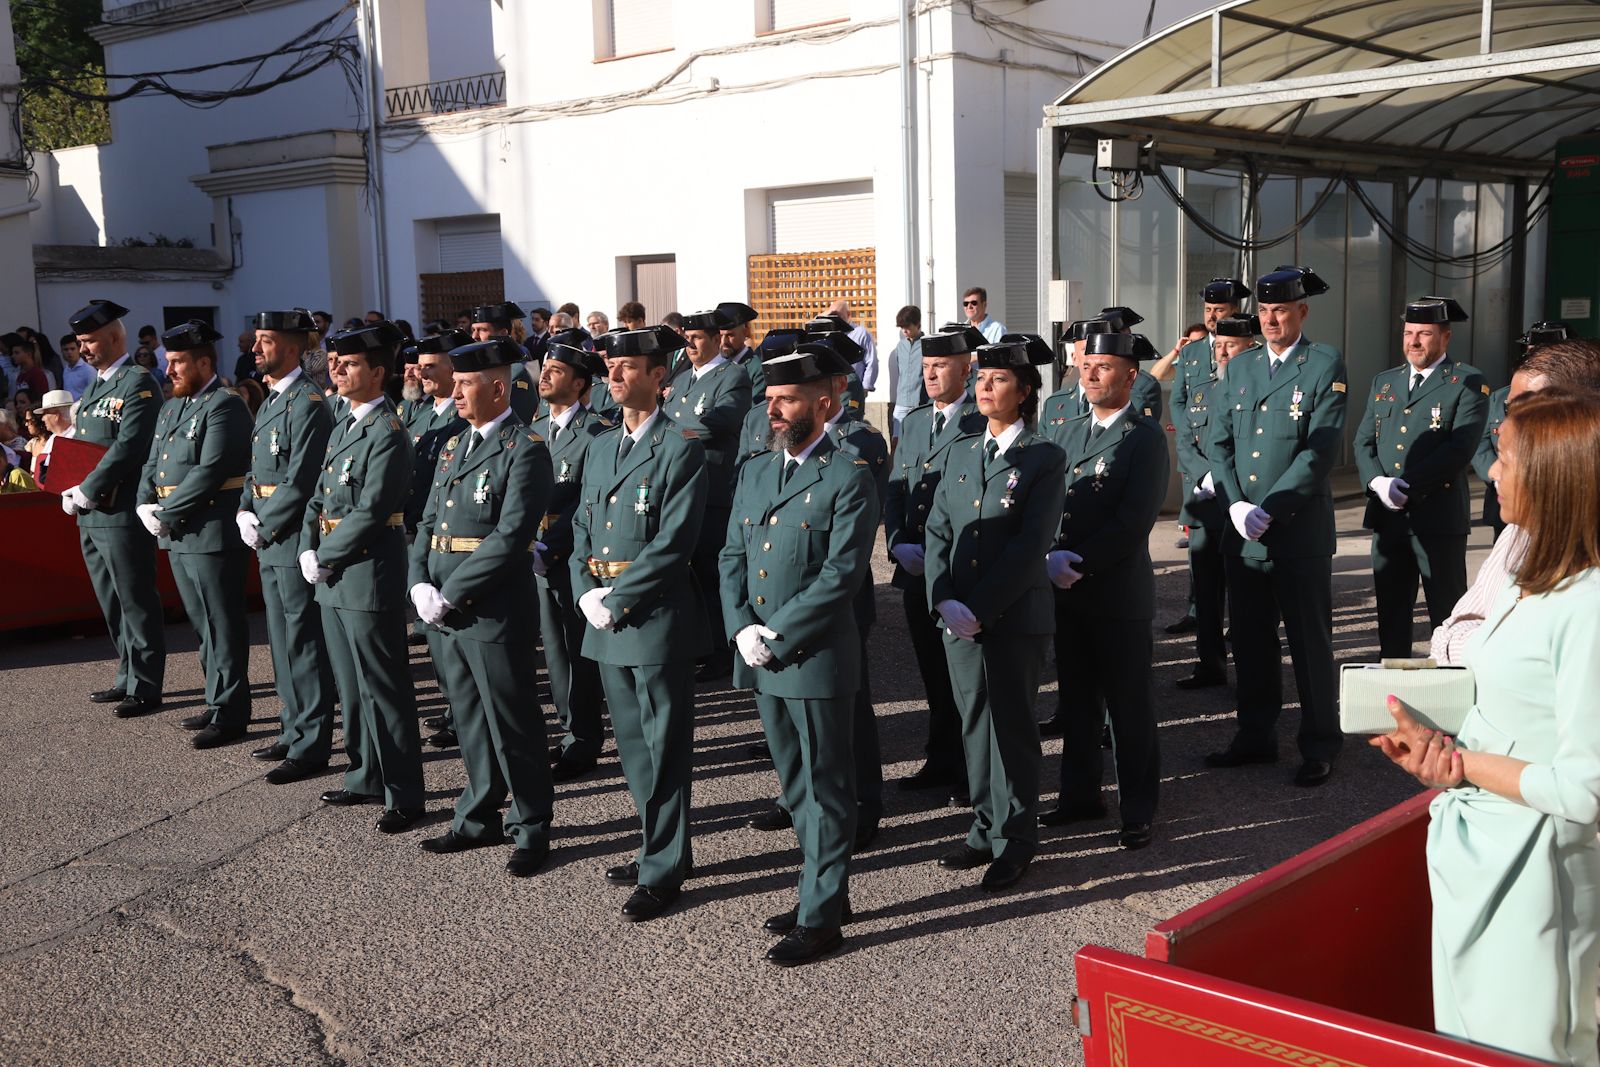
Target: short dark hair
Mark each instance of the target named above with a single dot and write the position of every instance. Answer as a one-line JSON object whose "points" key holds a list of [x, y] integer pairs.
{"points": [[673, 319], [978, 291], [68, 337], [147, 331], [633, 311], [910, 315], [374, 311], [382, 357], [325, 314], [1569, 364], [542, 312], [569, 308], [1197, 327]]}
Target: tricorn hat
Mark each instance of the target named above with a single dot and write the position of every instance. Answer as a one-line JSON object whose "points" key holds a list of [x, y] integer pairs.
{"points": [[192, 334], [295, 320], [502, 314], [1438, 310], [1544, 333], [1128, 345], [657, 342], [1289, 285], [780, 342], [1239, 326], [1121, 318], [446, 342], [1080, 329], [735, 313], [1039, 350], [811, 361], [484, 355], [382, 335], [97, 314], [1224, 291], [1008, 354]]}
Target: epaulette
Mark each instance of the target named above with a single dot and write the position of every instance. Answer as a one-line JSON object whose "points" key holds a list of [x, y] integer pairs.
{"points": [[534, 439], [1338, 387], [394, 424], [1485, 388], [861, 462], [605, 423], [522, 383], [690, 435], [145, 394]]}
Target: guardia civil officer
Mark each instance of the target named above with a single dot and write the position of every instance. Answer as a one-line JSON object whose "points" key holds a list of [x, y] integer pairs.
{"points": [[287, 449], [187, 493], [1273, 447], [118, 411], [710, 396], [1070, 402], [994, 601], [638, 520], [755, 433], [1424, 420], [797, 552], [496, 320], [470, 580], [1540, 333], [735, 344], [1201, 511], [353, 550], [568, 426], [927, 435], [1116, 481]]}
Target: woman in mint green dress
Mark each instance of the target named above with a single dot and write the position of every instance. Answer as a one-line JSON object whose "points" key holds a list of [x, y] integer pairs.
{"points": [[1513, 862]]}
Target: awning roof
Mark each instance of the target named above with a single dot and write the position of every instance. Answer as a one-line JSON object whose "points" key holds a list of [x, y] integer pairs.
{"points": [[1481, 87]]}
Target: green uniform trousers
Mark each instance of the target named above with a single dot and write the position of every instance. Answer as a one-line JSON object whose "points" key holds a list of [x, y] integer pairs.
{"points": [[211, 585], [707, 573], [367, 650], [1208, 590], [995, 682], [868, 753], [502, 740], [301, 674], [811, 742], [1108, 672], [943, 749], [574, 680], [1400, 557], [122, 568], [436, 654], [652, 714], [1301, 589]]}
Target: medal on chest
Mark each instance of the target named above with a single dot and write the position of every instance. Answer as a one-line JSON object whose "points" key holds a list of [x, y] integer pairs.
{"points": [[193, 430], [1011, 487], [1294, 405], [1100, 469], [480, 492], [1433, 418], [641, 498], [565, 474], [344, 471], [700, 405], [274, 447]]}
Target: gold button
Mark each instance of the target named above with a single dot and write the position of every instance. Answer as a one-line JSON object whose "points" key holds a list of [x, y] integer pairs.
{"points": [[326, 491], [163, 455], [1408, 411], [761, 574], [974, 535], [977, 503], [1399, 448], [161, 474], [1405, 429], [1447, 485], [761, 600], [974, 563], [613, 500], [766, 546], [330, 470], [1252, 477], [1263, 407], [773, 521], [1066, 514], [1077, 470], [1259, 430], [1397, 466], [626, 610], [608, 524], [805, 526], [747, 520], [444, 526], [606, 551], [449, 503], [1255, 455]]}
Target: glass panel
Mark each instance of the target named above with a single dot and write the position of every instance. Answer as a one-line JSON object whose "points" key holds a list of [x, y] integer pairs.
{"points": [[1322, 249], [1083, 233], [1215, 198], [1372, 330], [1275, 214], [1147, 263], [1491, 329]]}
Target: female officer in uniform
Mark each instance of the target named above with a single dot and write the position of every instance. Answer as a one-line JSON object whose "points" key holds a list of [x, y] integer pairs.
{"points": [[994, 516]]}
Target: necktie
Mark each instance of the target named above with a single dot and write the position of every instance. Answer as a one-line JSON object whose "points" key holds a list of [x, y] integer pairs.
{"points": [[627, 446], [788, 469], [1416, 380], [1095, 430], [555, 433], [350, 426], [1083, 402], [472, 442], [991, 449], [1272, 366], [938, 423]]}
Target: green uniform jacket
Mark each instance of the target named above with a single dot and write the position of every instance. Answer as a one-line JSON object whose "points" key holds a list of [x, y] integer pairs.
{"points": [[524, 392], [119, 413], [713, 407], [200, 442], [1428, 439], [567, 459], [646, 512], [1067, 403], [1275, 441], [753, 433], [1115, 487], [287, 448], [1489, 445], [364, 482], [794, 560], [751, 362], [918, 465], [429, 431], [497, 494], [1192, 407], [1017, 504]]}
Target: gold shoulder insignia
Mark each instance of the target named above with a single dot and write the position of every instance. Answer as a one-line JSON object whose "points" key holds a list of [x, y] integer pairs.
{"points": [[145, 394], [453, 442], [1338, 387], [861, 462], [394, 423], [1147, 413], [534, 438], [604, 422], [522, 383], [690, 435], [1485, 389]]}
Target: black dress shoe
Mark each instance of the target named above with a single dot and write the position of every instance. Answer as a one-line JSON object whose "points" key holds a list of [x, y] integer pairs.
{"points": [[1313, 772], [1186, 625], [436, 722], [525, 862], [1202, 680], [959, 797], [647, 902], [292, 770], [785, 921], [554, 753], [715, 668], [759, 751], [964, 857], [198, 722], [804, 945], [624, 873], [107, 696], [450, 841], [131, 707], [343, 798], [774, 818], [1237, 756], [417, 639], [1136, 836], [1051, 727], [396, 820], [865, 832], [1003, 873], [445, 738], [1065, 815], [272, 753], [927, 776], [215, 736], [567, 768]]}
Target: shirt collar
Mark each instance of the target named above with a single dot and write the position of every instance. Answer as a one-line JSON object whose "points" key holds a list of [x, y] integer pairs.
{"points": [[359, 413], [491, 426], [805, 453], [1427, 372], [644, 427], [1006, 438], [1109, 419], [439, 404], [105, 375], [715, 361], [952, 408], [1278, 357], [564, 419], [287, 380]]}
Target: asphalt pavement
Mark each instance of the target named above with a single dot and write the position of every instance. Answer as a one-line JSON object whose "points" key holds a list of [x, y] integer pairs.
{"points": [[160, 905]]}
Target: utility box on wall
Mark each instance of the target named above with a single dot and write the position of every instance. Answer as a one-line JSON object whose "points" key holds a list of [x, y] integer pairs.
{"points": [[1572, 270]]}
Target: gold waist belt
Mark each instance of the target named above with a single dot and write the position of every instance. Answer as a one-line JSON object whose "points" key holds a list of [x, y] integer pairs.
{"points": [[261, 492], [608, 568], [164, 491], [329, 525]]}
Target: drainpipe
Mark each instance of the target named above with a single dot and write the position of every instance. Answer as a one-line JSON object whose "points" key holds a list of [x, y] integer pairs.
{"points": [[374, 100], [908, 152]]}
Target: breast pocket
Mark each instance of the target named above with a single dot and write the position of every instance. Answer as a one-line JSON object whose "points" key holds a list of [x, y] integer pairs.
{"points": [[805, 538]]}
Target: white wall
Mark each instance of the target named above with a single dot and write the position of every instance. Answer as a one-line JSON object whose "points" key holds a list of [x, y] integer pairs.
{"points": [[72, 211]]}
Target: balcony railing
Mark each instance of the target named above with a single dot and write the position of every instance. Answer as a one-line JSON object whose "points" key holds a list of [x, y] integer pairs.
{"points": [[443, 97]]}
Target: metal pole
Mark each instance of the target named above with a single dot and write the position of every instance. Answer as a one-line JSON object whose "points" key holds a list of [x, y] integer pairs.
{"points": [[369, 77], [908, 152]]}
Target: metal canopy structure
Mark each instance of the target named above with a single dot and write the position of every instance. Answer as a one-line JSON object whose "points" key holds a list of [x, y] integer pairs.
{"points": [[1452, 88]]}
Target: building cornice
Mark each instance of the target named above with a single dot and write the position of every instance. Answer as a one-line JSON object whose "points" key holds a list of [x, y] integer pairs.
{"points": [[150, 17], [295, 174]]}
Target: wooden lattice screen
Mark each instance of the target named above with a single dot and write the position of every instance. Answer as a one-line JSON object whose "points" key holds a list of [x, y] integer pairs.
{"points": [[789, 289], [445, 295]]}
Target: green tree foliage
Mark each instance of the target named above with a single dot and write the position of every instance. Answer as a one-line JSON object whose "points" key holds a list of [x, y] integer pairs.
{"points": [[56, 55]]}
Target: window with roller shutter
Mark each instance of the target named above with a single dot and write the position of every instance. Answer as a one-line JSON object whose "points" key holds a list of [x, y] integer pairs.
{"points": [[1018, 303], [634, 27]]}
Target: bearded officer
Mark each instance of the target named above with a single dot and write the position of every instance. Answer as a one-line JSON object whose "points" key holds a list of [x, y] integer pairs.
{"points": [[567, 427], [735, 344], [636, 526], [1273, 448], [471, 580], [118, 411], [1424, 420], [287, 447], [353, 550], [496, 320]]}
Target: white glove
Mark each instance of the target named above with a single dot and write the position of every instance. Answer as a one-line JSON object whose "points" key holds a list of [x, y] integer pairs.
{"points": [[911, 557], [752, 647], [592, 604], [1058, 565], [540, 567], [1391, 492], [74, 502], [1249, 520], [430, 604], [250, 529], [147, 514], [311, 570], [958, 619], [1206, 488]]}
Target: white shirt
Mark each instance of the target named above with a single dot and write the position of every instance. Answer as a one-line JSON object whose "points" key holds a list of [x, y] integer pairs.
{"points": [[1277, 357], [1426, 372], [1106, 422], [105, 375], [563, 420], [287, 380], [805, 453], [644, 427], [952, 409], [442, 403], [1007, 436], [359, 413], [488, 428], [715, 361]]}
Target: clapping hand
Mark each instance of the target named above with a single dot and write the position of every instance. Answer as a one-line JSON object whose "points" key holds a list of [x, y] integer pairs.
{"points": [[1429, 756]]}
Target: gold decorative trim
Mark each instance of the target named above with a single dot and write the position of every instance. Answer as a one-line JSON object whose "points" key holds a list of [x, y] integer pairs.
{"points": [[1120, 1010]]}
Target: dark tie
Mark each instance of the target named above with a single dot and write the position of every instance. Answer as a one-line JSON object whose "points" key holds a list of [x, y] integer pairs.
{"points": [[938, 424], [1272, 366], [1416, 380], [991, 449], [1083, 402], [555, 433], [786, 471], [627, 446], [472, 442], [1095, 430]]}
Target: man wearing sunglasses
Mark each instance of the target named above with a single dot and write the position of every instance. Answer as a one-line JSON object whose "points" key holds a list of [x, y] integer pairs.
{"points": [[975, 305]]}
